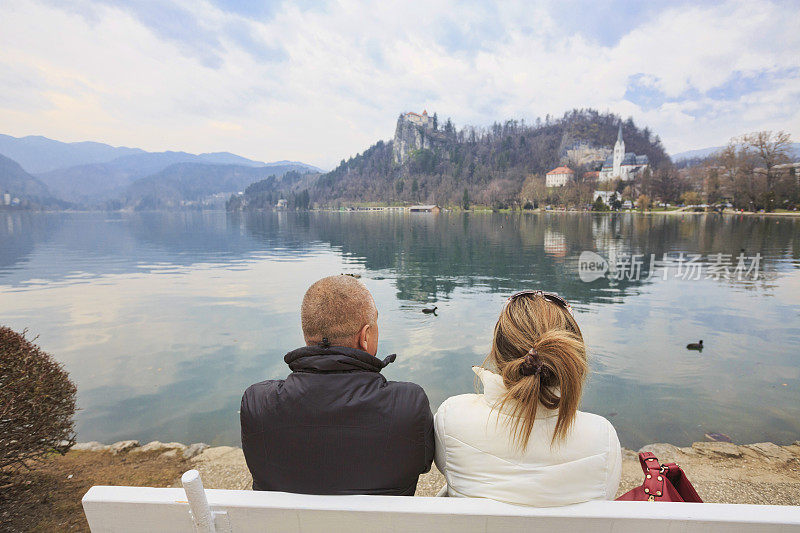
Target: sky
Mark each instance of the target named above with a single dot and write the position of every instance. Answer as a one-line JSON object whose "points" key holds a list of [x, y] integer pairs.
{"points": [[319, 81]]}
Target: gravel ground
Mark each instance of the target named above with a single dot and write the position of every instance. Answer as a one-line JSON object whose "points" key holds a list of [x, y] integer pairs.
{"points": [[761, 473]]}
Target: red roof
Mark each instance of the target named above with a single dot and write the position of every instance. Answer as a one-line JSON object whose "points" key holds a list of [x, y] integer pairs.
{"points": [[561, 170]]}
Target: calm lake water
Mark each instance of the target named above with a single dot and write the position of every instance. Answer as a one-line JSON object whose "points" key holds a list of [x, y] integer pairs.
{"points": [[163, 319]]}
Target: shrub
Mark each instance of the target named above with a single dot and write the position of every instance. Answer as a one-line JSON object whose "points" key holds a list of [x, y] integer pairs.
{"points": [[37, 402]]}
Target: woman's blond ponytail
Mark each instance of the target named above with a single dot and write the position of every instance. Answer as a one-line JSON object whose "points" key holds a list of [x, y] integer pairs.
{"points": [[539, 352]]}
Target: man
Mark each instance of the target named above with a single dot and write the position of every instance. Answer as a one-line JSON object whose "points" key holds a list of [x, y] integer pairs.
{"points": [[335, 425]]}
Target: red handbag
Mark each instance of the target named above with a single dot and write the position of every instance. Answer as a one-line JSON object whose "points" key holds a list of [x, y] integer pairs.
{"points": [[662, 483]]}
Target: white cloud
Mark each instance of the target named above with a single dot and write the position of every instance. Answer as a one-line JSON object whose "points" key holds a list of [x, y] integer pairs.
{"points": [[321, 85]]}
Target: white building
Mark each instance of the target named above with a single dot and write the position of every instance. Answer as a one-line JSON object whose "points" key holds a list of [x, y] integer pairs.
{"points": [[625, 166], [6, 199], [558, 177], [605, 196], [420, 120]]}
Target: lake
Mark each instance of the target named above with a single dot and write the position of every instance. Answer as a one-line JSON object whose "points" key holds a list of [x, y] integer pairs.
{"points": [[163, 319]]}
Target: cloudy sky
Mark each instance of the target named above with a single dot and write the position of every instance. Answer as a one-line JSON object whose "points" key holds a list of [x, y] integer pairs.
{"points": [[318, 81]]}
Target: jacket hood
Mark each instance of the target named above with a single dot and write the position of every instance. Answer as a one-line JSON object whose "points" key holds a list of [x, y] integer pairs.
{"points": [[317, 359], [494, 389]]}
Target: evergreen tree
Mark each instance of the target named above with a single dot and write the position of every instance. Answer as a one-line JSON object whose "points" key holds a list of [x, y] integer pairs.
{"points": [[616, 203], [465, 200], [599, 205]]}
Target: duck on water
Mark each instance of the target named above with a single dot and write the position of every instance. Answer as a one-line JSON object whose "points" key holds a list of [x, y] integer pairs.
{"points": [[695, 346]]}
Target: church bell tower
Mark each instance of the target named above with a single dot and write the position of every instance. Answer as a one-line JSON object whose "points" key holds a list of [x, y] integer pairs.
{"points": [[619, 153]]}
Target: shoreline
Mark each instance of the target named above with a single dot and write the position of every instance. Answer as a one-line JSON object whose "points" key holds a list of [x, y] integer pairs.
{"points": [[48, 497], [446, 209], [722, 472]]}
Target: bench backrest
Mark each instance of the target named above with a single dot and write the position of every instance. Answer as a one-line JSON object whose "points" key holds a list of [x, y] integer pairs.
{"points": [[153, 509]]}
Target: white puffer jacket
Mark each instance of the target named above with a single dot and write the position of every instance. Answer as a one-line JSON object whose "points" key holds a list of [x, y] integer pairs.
{"points": [[478, 459]]}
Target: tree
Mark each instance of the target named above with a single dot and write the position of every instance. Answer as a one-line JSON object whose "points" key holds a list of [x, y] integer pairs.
{"points": [[37, 402], [646, 181], [616, 203], [415, 189], [691, 198], [303, 200], [435, 121], [644, 202], [465, 200], [772, 148], [599, 205]]}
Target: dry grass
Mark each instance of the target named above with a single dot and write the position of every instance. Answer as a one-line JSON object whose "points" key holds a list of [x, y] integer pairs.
{"points": [[47, 499]]}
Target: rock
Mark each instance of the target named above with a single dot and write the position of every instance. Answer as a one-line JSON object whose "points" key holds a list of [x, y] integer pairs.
{"points": [[771, 451], [414, 132], [666, 453], [170, 453], [221, 454], [794, 449], [721, 449], [92, 446], [194, 449], [629, 455], [123, 446], [157, 446]]}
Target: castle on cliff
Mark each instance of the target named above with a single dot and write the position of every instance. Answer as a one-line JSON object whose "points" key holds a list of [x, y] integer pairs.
{"points": [[420, 120], [625, 166], [413, 132]]}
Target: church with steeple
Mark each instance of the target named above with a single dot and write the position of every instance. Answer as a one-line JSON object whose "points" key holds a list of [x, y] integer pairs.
{"points": [[622, 165]]}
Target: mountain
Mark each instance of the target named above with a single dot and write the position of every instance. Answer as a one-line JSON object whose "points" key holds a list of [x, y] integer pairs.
{"points": [[428, 161], [703, 153], [193, 183], [38, 154], [18, 183], [91, 173], [99, 182]]}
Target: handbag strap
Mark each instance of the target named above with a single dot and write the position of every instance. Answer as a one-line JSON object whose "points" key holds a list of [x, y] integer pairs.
{"points": [[653, 478]]}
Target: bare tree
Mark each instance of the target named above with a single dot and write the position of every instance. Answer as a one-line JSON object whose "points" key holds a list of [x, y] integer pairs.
{"points": [[772, 148]]}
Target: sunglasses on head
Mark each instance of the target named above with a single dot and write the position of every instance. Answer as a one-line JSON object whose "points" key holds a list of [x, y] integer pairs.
{"points": [[549, 296]]}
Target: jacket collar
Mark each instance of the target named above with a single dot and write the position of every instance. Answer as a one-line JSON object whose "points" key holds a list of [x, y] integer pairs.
{"points": [[494, 389], [317, 359]]}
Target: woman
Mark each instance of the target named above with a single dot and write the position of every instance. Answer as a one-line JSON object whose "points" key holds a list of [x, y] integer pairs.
{"points": [[523, 440]]}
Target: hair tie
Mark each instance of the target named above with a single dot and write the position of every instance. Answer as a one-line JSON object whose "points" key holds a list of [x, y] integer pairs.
{"points": [[325, 342], [531, 364]]}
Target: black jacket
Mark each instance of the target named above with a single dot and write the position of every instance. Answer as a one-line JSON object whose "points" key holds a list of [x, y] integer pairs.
{"points": [[336, 426]]}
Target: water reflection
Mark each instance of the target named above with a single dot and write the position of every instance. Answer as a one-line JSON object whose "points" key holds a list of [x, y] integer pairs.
{"points": [[164, 318]]}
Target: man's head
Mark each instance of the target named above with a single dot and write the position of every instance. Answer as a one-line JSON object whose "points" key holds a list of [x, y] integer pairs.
{"points": [[341, 309]]}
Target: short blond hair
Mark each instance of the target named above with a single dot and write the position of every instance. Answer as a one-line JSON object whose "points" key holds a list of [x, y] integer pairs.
{"points": [[336, 308]]}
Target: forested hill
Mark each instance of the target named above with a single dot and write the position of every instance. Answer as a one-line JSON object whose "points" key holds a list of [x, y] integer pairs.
{"points": [[29, 191], [490, 163]]}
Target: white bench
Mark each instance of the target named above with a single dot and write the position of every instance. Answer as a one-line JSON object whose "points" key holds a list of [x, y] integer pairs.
{"points": [[193, 509]]}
